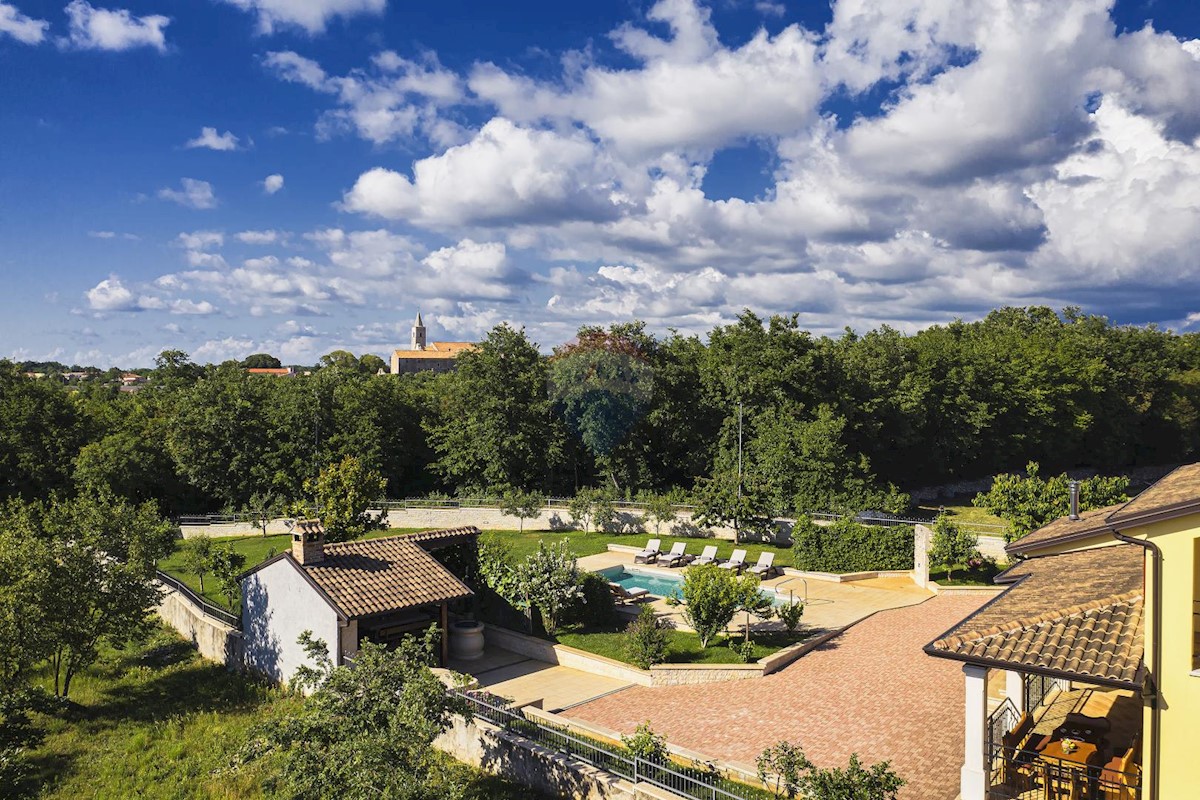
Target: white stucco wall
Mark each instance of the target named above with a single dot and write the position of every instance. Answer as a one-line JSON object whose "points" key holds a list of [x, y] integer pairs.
{"points": [[278, 604]]}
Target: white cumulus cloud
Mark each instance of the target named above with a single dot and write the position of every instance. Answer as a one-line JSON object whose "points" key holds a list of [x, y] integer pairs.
{"points": [[20, 27], [113, 29], [192, 194], [211, 140], [272, 183], [311, 15]]}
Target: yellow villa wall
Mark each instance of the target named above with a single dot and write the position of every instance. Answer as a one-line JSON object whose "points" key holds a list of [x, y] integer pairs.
{"points": [[1179, 767]]}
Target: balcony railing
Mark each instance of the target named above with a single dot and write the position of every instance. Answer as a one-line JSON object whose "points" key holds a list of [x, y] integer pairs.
{"points": [[1029, 774]]}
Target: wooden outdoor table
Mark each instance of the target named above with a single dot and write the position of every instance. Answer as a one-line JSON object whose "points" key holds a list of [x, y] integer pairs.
{"points": [[1078, 760]]}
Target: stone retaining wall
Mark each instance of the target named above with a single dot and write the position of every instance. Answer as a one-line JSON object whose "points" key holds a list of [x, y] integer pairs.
{"points": [[484, 745], [212, 637]]}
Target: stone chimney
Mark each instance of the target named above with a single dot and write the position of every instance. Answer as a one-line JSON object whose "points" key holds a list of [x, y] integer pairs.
{"points": [[308, 541]]}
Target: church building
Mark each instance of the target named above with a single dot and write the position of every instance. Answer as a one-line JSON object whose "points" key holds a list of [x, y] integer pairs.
{"points": [[424, 356]]}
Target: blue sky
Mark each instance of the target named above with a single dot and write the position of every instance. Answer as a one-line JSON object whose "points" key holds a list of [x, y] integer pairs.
{"points": [[293, 176]]}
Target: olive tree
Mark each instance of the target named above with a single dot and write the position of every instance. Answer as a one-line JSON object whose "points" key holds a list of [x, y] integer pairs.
{"points": [[712, 596]]}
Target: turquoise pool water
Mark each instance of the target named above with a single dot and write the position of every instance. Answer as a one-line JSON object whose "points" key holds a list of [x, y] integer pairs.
{"points": [[664, 585]]}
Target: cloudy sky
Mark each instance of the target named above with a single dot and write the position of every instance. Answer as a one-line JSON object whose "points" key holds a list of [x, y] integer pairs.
{"points": [[292, 176]]}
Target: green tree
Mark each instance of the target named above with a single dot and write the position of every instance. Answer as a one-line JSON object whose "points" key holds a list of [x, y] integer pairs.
{"points": [[261, 361], [1027, 503], [951, 545], [723, 501], [784, 765], [549, 581], [712, 596], [366, 731], [41, 430], [371, 364], [197, 557], [522, 505], [646, 639], [493, 423], [855, 782], [227, 567], [604, 383], [582, 507], [645, 744], [660, 509], [344, 493], [262, 508]]}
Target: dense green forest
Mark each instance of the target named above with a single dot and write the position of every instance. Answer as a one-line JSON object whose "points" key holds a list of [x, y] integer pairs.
{"points": [[826, 422]]}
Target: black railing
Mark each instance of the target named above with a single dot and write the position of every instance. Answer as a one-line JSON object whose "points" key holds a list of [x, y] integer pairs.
{"points": [[702, 782], [207, 607], [1026, 773], [1036, 689]]}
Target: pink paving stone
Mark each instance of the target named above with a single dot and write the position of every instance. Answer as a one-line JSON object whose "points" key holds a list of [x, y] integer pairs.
{"points": [[871, 690]]}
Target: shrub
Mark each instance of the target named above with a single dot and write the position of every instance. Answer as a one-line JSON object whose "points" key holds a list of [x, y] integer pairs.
{"points": [[646, 744], [784, 764], [549, 581], [848, 546], [594, 607], [713, 595], [646, 639], [789, 614], [746, 650]]}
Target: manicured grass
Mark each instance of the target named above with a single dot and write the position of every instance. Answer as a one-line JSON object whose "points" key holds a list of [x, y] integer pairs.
{"points": [[157, 721], [683, 647], [980, 576], [960, 509]]}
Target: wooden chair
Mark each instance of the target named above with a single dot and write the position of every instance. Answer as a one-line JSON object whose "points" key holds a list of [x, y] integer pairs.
{"points": [[1122, 774], [1016, 768]]}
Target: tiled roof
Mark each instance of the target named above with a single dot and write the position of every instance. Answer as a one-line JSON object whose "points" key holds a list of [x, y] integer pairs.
{"points": [[436, 350], [374, 576], [1178, 488], [440, 538], [1077, 613], [1093, 521]]}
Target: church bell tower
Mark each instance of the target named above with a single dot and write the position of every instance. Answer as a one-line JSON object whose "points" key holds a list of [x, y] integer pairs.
{"points": [[418, 334]]}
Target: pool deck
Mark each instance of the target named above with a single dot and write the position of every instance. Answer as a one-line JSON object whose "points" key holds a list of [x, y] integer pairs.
{"points": [[828, 605], [527, 681]]}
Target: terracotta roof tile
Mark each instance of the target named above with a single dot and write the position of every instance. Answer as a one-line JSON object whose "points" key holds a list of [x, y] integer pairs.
{"points": [[1180, 487], [1092, 521], [1078, 613], [374, 576]]}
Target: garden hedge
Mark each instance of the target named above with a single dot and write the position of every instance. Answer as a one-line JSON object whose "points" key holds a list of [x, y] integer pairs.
{"points": [[848, 546]]}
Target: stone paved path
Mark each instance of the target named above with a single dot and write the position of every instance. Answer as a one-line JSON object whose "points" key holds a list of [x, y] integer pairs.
{"points": [[871, 690]]}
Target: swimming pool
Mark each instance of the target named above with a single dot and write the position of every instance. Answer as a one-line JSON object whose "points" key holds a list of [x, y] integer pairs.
{"points": [[665, 584]]}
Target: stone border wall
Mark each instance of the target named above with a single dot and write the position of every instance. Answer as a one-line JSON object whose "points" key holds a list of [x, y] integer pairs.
{"points": [[212, 637]]}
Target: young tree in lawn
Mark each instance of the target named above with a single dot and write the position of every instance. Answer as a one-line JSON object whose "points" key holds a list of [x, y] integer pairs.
{"points": [[646, 639], [196, 555], [951, 545], [262, 507], [549, 581], [712, 596], [604, 512], [660, 509], [344, 493], [522, 505], [721, 502], [364, 732], [582, 507], [227, 566]]}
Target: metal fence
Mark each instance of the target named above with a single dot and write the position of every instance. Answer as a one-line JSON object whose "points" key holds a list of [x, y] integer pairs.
{"points": [[703, 782], [208, 608], [1036, 688]]}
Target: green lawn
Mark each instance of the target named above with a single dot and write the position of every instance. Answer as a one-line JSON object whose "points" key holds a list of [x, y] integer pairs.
{"points": [[683, 647], [157, 721], [960, 509]]}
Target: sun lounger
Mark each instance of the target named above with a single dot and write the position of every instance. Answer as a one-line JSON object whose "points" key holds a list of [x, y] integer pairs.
{"points": [[676, 557], [765, 567], [736, 562], [630, 595], [709, 556], [650, 554]]}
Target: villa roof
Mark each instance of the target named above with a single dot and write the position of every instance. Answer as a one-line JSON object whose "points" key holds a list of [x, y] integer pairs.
{"points": [[375, 576], [1076, 614], [1175, 494]]}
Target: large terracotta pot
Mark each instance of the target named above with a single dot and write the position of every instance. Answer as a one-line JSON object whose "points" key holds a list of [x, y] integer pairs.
{"points": [[466, 639]]}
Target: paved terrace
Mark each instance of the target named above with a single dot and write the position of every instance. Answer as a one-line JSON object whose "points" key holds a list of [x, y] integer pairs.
{"points": [[870, 690]]}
